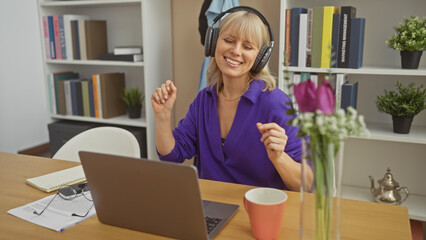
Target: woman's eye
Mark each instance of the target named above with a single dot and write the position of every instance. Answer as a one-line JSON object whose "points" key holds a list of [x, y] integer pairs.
{"points": [[228, 40], [248, 47]]}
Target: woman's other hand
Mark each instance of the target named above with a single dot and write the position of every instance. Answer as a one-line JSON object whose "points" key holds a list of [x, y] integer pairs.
{"points": [[163, 99], [274, 138]]}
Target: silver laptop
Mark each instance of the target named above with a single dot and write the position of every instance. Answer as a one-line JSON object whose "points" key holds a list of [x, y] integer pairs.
{"points": [[156, 197]]}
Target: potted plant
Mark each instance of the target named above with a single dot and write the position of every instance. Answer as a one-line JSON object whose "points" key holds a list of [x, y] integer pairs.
{"points": [[403, 104], [410, 39], [133, 99]]}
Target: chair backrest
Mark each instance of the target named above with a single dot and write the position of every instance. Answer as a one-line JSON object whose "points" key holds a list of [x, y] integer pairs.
{"points": [[109, 140]]}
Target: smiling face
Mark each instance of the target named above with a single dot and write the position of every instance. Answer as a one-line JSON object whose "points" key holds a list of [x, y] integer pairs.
{"points": [[234, 55], [241, 34]]}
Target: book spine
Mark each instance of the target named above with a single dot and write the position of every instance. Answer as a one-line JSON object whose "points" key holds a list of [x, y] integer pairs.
{"points": [[287, 35], [68, 100], [62, 101], [57, 37], [309, 37], [85, 98], [294, 34], [46, 37], [95, 95], [91, 99], [79, 98], [73, 89], [340, 80], [51, 38], [76, 40], [317, 37], [335, 40], [82, 39], [62, 37], [356, 47], [303, 28], [98, 90], [51, 92], [327, 31], [347, 13], [349, 95]]}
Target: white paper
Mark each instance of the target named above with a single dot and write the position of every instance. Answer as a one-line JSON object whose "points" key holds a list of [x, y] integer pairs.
{"points": [[58, 215]]}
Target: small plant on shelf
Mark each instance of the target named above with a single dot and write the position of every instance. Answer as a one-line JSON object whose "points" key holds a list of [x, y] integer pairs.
{"points": [[133, 99], [410, 39], [402, 104]]}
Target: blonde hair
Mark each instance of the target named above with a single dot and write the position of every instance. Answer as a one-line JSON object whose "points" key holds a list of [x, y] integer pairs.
{"points": [[247, 26]]}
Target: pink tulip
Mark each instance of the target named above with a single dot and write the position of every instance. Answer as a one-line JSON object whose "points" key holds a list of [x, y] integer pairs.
{"points": [[304, 93], [325, 98], [309, 98]]}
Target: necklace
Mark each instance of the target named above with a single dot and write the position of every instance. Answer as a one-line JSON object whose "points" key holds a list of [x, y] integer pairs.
{"points": [[229, 99]]}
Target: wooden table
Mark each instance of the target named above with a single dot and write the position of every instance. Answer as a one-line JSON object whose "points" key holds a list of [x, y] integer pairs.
{"points": [[361, 220]]}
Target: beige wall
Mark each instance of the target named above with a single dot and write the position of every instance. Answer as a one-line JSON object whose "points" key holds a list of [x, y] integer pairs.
{"points": [[188, 53]]}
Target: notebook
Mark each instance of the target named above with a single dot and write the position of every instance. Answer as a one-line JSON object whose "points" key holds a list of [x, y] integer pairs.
{"points": [[52, 181], [156, 197]]}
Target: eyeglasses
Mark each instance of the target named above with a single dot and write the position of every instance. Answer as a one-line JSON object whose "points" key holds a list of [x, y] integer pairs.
{"points": [[69, 193]]}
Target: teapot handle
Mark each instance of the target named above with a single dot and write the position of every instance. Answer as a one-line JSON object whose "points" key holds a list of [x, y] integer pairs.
{"points": [[406, 194]]}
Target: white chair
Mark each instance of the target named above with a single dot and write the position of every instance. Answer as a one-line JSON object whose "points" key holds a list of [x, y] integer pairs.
{"points": [[109, 140]]}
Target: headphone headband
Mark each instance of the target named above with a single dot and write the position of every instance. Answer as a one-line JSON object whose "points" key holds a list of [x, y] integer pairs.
{"points": [[250, 10]]}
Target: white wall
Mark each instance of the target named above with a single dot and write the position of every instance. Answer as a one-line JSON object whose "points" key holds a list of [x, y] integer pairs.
{"points": [[23, 108]]}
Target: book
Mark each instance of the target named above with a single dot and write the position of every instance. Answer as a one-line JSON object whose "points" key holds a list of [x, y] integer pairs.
{"points": [[78, 98], [317, 37], [46, 37], [335, 40], [76, 40], [339, 81], [287, 47], [349, 95], [51, 93], [112, 85], [294, 34], [91, 99], [123, 57], [73, 91], [53, 181], [95, 38], [51, 38], [346, 14], [68, 100], [96, 96], [327, 30], [61, 96], [57, 37], [82, 38], [309, 37], [85, 97], [303, 33], [68, 33], [124, 50], [356, 44], [62, 37]]}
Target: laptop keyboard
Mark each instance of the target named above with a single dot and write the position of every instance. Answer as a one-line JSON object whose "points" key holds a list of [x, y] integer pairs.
{"points": [[211, 223]]}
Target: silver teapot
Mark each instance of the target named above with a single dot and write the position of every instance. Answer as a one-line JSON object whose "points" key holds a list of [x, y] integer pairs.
{"points": [[388, 190]]}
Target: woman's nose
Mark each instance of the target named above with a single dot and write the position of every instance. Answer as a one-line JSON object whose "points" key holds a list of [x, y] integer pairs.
{"points": [[236, 49]]}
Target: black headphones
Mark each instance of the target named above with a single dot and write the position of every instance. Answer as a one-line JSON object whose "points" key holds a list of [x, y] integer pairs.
{"points": [[213, 33]]}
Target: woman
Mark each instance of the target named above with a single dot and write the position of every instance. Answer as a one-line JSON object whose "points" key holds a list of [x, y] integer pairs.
{"points": [[237, 125]]}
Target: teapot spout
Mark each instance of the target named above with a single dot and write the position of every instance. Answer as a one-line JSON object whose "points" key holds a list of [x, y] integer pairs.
{"points": [[372, 188]]}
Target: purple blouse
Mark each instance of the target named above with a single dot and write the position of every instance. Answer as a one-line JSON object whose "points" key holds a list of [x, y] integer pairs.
{"points": [[243, 157]]}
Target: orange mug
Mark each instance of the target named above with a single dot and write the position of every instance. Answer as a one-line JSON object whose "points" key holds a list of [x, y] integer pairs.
{"points": [[265, 207]]}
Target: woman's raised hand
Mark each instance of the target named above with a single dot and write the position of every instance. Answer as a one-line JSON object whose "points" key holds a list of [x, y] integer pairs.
{"points": [[163, 99]]}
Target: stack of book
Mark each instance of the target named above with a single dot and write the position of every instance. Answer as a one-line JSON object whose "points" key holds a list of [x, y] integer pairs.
{"points": [[324, 37], [124, 53], [72, 36], [98, 97]]}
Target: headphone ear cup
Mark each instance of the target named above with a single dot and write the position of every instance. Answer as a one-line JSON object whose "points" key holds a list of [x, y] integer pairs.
{"points": [[264, 60], [208, 41], [258, 59], [215, 35]]}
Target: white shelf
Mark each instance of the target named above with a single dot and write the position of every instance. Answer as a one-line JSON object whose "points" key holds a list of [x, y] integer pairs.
{"points": [[89, 3], [120, 120], [384, 132], [363, 71], [416, 204], [97, 62]]}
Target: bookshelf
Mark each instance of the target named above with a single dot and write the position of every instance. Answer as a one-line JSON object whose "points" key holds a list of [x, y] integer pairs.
{"points": [[364, 156], [145, 23]]}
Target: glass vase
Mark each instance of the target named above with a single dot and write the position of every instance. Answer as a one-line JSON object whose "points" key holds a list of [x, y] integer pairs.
{"points": [[320, 203]]}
